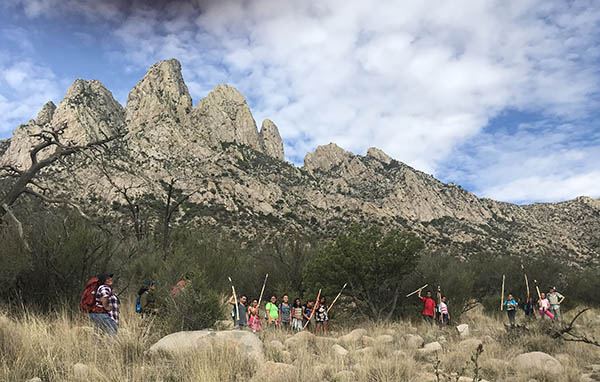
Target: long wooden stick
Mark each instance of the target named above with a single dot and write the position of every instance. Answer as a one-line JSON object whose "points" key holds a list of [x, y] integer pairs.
{"points": [[537, 288], [313, 310], [262, 290], [502, 300], [336, 298], [237, 310], [421, 288], [526, 281]]}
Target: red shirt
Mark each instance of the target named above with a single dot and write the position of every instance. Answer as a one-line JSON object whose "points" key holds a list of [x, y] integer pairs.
{"points": [[429, 306]]}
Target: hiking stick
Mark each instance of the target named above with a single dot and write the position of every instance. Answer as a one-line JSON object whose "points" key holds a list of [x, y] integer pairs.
{"points": [[526, 281], [537, 288], [262, 290], [502, 300], [312, 312], [336, 297], [237, 309], [421, 288]]}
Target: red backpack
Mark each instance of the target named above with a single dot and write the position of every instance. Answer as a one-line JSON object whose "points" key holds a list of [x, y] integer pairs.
{"points": [[87, 304]]}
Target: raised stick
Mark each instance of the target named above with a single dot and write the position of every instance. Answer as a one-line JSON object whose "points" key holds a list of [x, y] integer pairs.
{"points": [[410, 294], [312, 312], [526, 281], [237, 310], [262, 290], [502, 300], [537, 288], [336, 298]]}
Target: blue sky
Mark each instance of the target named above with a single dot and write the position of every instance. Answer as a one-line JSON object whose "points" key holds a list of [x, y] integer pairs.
{"points": [[499, 97]]}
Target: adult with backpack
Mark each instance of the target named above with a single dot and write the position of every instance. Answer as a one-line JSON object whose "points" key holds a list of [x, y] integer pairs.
{"points": [[146, 302], [101, 304]]}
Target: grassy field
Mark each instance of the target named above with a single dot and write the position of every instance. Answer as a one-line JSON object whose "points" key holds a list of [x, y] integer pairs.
{"points": [[49, 346]]}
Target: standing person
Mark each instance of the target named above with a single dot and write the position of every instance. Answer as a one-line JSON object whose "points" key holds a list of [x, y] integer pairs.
{"points": [[254, 320], [106, 311], [444, 313], [544, 306], [428, 306], [321, 317], [285, 312], [511, 308], [530, 307], [297, 310], [555, 300], [242, 322], [306, 313], [146, 301], [272, 311]]}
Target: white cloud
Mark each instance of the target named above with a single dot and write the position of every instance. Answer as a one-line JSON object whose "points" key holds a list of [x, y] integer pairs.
{"points": [[415, 79]]}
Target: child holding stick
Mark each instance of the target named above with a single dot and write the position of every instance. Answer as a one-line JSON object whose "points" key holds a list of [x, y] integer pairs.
{"points": [[254, 321], [322, 317]]}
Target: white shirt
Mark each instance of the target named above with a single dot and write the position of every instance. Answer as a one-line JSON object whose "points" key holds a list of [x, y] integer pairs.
{"points": [[443, 308]]}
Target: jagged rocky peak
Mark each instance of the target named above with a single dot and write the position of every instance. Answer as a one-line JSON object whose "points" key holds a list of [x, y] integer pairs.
{"points": [[226, 116], [160, 96], [326, 157], [272, 143], [89, 112], [378, 154], [45, 115]]}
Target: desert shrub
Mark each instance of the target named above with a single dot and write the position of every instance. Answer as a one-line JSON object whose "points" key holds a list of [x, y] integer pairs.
{"points": [[194, 307], [371, 262]]}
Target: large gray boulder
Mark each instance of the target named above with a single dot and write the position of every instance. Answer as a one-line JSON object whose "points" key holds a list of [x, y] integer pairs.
{"points": [[414, 341], [186, 341], [431, 347], [538, 360], [353, 337]]}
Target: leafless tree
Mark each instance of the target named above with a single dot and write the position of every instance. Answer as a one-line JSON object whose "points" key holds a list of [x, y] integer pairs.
{"points": [[568, 332], [42, 156]]}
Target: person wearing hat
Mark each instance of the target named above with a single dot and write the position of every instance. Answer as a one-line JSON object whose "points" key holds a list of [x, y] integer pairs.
{"points": [[555, 299], [147, 299]]}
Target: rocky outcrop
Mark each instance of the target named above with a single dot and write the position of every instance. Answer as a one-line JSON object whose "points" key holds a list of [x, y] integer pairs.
{"points": [[271, 140], [240, 182], [161, 96], [325, 158], [225, 114]]}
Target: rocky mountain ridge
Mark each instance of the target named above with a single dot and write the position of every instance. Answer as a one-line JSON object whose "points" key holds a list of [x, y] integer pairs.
{"points": [[237, 178]]}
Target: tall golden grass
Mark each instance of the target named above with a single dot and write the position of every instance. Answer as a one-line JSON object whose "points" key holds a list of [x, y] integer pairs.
{"points": [[47, 346]]}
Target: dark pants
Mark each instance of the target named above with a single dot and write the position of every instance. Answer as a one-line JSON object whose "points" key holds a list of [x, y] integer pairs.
{"points": [[104, 323], [511, 316], [428, 319]]}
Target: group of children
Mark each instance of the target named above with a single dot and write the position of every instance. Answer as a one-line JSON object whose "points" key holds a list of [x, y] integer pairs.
{"points": [[548, 306], [296, 316], [432, 311]]}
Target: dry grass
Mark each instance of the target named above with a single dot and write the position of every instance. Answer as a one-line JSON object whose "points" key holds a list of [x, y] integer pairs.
{"points": [[48, 347]]}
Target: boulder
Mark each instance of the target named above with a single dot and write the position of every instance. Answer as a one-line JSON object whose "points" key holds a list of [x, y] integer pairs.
{"points": [[344, 376], [339, 350], [184, 341], [538, 360], [463, 330], [368, 341], [276, 345], [353, 337], [274, 372], [81, 370], [384, 339], [224, 324], [431, 348], [414, 341], [470, 343], [442, 339], [34, 379], [304, 335]]}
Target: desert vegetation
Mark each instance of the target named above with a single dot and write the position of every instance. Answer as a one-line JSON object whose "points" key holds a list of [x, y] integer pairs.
{"points": [[48, 346]]}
